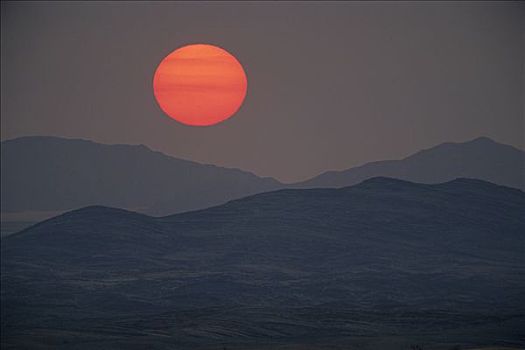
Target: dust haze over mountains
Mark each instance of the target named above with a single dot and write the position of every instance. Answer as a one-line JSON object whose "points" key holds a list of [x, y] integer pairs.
{"points": [[369, 193], [330, 85]]}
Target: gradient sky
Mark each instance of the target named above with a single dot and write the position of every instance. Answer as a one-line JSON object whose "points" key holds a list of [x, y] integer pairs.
{"points": [[330, 85]]}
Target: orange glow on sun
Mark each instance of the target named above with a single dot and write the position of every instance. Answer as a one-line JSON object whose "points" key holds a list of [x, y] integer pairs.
{"points": [[200, 85]]}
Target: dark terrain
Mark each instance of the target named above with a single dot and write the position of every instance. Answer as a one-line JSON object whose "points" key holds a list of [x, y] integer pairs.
{"points": [[385, 264], [51, 174]]}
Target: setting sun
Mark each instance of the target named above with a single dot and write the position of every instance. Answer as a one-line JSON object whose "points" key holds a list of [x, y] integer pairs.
{"points": [[200, 85]]}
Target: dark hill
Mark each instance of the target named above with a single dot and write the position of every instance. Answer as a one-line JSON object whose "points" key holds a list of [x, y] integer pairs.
{"points": [[384, 264]]}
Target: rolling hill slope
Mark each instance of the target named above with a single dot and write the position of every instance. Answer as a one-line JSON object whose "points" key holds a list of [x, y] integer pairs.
{"points": [[383, 264]]}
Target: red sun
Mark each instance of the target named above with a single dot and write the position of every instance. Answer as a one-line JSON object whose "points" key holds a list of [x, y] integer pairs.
{"points": [[200, 85]]}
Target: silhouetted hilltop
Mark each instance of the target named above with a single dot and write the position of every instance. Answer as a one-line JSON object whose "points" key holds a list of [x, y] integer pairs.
{"points": [[51, 173], [481, 158], [441, 263]]}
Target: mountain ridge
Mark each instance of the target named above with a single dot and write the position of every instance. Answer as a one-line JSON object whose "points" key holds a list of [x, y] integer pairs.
{"points": [[47, 174], [380, 184], [478, 148], [125, 145], [50, 173]]}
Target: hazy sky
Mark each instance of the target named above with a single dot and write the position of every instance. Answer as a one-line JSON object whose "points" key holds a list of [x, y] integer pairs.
{"points": [[330, 85]]}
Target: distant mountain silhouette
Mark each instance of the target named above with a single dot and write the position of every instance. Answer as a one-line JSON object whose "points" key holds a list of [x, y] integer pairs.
{"points": [[481, 158], [382, 263], [50, 173], [55, 174]]}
